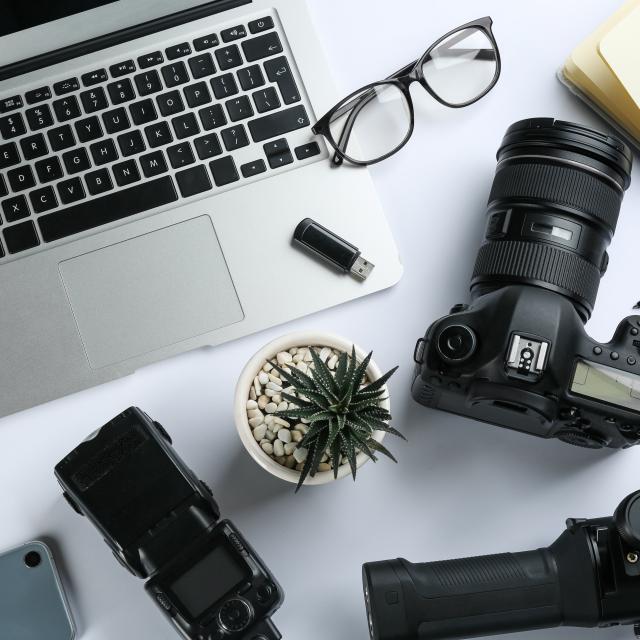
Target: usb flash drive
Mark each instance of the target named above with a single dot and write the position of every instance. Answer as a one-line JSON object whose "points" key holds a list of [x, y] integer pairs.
{"points": [[332, 248]]}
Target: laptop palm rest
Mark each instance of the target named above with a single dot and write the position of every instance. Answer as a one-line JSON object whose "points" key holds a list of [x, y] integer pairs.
{"points": [[150, 292]]}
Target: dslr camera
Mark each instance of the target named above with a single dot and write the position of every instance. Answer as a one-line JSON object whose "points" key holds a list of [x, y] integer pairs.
{"points": [[163, 524], [518, 355]]}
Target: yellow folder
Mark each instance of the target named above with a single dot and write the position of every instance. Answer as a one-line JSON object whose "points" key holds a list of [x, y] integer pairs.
{"points": [[604, 70]]}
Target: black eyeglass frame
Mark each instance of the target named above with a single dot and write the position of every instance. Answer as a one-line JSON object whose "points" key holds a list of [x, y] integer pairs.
{"points": [[403, 79]]}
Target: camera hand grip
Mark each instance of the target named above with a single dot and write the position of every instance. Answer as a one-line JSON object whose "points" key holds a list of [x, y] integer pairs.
{"points": [[463, 598]]}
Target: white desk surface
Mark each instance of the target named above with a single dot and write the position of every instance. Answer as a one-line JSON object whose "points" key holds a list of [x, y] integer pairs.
{"points": [[462, 488]]}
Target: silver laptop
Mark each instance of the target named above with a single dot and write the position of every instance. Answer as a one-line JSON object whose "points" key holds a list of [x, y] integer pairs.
{"points": [[155, 159]]}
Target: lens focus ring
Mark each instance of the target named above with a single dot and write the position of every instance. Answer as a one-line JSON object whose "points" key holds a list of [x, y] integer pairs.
{"points": [[562, 185], [538, 263]]}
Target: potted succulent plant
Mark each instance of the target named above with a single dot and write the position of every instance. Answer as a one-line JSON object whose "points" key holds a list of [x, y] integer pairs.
{"points": [[312, 408]]}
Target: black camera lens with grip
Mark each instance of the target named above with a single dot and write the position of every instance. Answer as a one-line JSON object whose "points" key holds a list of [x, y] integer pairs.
{"points": [[553, 210]]}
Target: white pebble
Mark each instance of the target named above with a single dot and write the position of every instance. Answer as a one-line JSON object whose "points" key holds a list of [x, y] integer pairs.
{"points": [[281, 422], [307, 356], [290, 463], [267, 447], [263, 401], [283, 406], [267, 367], [269, 420], [284, 358], [302, 366], [270, 436], [323, 466], [252, 393], [256, 422], [255, 413], [275, 379], [272, 407], [302, 428], [274, 386], [333, 361], [300, 454], [289, 448], [296, 436], [256, 386], [263, 378], [281, 460], [260, 432], [324, 458], [293, 351], [300, 466], [284, 435], [278, 448], [252, 404], [277, 398], [270, 393], [325, 353], [299, 357]]}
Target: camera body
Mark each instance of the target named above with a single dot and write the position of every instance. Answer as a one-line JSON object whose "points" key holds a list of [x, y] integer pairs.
{"points": [[518, 355], [163, 524]]}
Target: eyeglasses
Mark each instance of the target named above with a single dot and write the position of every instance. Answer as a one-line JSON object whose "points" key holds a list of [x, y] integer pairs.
{"points": [[457, 70]]}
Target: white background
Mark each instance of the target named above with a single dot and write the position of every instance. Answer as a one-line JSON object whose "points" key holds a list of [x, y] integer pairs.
{"points": [[462, 488]]}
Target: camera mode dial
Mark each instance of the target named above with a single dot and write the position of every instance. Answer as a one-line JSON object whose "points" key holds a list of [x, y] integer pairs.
{"points": [[627, 519], [235, 615]]}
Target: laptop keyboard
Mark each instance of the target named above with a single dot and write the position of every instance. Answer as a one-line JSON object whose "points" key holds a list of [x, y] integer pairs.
{"points": [[202, 115]]}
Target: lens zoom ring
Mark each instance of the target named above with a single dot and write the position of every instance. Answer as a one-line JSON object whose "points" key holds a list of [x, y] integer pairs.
{"points": [[558, 184], [541, 262]]}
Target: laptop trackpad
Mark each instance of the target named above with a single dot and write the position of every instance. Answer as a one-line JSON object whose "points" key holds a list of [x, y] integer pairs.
{"points": [[150, 292]]}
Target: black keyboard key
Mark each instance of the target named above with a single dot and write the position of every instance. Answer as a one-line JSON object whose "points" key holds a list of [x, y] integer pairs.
{"points": [[197, 94], [266, 100], [193, 181], [150, 59], [116, 120], [253, 168], [279, 123], [16, 208], [12, 126], [21, 178], [66, 86], [98, 182], [170, 103], [9, 155], [10, 104], [88, 129], [122, 68], [76, 160], [229, 57], [103, 152], [115, 206], [37, 95], [34, 147], [212, 117], [126, 173], [43, 199], [175, 74], [94, 77], [307, 151], [178, 51], [67, 108], [251, 77], [148, 83], [131, 143], [21, 237], [224, 86], [278, 153], [185, 126], [3, 190], [239, 108], [208, 146], [263, 24], [234, 137], [39, 117], [94, 100], [262, 47], [206, 42], [71, 190], [49, 169], [121, 91], [234, 33], [61, 138], [153, 164], [143, 112], [180, 155], [279, 71], [202, 66], [158, 134], [224, 171]]}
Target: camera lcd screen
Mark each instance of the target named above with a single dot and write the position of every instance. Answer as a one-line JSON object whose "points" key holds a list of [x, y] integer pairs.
{"points": [[208, 581], [595, 381]]}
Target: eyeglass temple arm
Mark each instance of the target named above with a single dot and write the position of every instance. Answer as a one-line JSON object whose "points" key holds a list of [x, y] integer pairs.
{"points": [[357, 104]]}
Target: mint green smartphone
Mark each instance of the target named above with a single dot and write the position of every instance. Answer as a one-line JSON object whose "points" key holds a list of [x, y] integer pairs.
{"points": [[33, 605]]}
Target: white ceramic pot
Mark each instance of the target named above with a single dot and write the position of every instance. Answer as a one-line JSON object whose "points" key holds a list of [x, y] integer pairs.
{"points": [[251, 370]]}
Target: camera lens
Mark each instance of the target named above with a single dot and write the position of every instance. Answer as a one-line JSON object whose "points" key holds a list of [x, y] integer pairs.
{"points": [[456, 343], [553, 210], [235, 615], [32, 559]]}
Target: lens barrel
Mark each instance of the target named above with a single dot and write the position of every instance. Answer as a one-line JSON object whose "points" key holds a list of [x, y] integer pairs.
{"points": [[553, 210]]}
